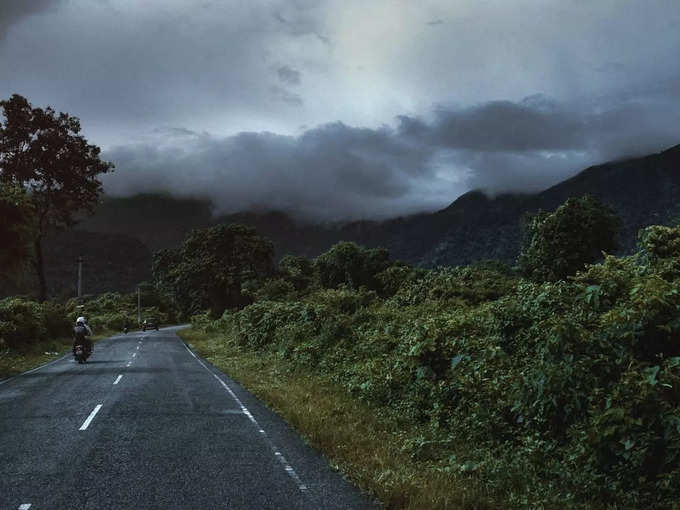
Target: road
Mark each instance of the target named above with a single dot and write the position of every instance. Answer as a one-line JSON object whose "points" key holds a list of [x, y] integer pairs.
{"points": [[146, 423]]}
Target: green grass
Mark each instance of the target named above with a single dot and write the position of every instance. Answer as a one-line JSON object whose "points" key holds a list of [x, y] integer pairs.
{"points": [[13, 362], [359, 440]]}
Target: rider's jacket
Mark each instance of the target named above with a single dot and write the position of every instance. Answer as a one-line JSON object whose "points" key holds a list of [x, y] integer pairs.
{"points": [[80, 332]]}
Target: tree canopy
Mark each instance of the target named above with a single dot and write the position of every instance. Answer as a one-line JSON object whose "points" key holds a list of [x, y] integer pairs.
{"points": [[351, 264], [43, 153], [207, 271], [16, 228], [562, 242]]}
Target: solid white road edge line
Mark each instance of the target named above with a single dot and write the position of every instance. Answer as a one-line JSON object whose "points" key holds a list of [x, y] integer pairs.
{"points": [[286, 465], [118, 379], [91, 417]]}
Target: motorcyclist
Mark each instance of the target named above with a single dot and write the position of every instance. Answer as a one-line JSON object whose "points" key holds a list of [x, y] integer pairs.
{"points": [[81, 332]]}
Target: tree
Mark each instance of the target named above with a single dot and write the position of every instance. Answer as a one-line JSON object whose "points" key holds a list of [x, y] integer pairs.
{"points": [[16, 229], [43, 153], [351, 264], [297, 270], [208, 270], [561, 243]]}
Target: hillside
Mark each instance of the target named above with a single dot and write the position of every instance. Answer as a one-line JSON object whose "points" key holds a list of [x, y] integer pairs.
{"points": [[642, 191]]}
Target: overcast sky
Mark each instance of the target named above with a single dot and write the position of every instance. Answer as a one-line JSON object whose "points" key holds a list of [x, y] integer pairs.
{"points": [[344, 109]]}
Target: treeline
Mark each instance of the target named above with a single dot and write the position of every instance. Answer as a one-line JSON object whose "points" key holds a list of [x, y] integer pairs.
{"points": [[553, 383]]}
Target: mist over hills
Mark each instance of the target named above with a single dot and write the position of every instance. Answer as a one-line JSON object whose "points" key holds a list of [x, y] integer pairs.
{"points": [[641, 190], [119, 239]]}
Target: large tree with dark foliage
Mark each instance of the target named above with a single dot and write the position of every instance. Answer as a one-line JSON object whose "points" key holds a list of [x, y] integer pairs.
{"points": [[350, 264], [43, 153], [562, 242], [16, 229], [209, 268]]}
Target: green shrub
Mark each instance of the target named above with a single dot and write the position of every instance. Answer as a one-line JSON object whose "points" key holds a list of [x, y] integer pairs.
{"points": [[276, 289], [21, 322], [55, 319], [453, 286]]}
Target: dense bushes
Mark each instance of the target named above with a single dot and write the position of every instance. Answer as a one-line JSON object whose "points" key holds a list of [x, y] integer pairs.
{"points": [[112, 311], [553, 393], [24, 322]]}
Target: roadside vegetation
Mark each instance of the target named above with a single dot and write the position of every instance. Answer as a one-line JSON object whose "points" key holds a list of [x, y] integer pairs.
{"points": [[477, 386], [33, 333]]}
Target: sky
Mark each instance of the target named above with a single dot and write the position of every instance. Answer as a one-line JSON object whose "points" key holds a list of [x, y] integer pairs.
{"points": [[349, 109]]}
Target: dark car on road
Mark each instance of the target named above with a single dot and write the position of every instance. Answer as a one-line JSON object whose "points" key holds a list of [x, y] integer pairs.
{"points": [[150, 324]]}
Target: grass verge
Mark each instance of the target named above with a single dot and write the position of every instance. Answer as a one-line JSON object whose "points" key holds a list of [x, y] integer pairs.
{"points": [[361, 441], [13, 362]]}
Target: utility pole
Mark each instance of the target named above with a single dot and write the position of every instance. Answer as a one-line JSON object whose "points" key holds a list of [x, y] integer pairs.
{"points": [[80, 276], [139, 307]]}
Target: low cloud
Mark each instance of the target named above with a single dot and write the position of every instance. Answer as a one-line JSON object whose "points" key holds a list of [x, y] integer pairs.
{"points": [[339, 172]]}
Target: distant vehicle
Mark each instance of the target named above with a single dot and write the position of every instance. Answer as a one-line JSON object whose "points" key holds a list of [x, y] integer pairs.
{"points": [[150, 324]]}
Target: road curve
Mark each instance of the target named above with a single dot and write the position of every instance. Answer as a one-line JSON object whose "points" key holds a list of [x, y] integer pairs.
{"points": [[146, 423]]}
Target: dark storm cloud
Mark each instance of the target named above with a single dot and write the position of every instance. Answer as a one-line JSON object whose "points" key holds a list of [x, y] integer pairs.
{"points": [[330, 172], [336, 172], [532, 144], [123, 68], [13, 11], [288, 75]]}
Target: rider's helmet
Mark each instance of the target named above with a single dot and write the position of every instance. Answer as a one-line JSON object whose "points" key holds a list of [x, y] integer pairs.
{"points": [[80, 321]]}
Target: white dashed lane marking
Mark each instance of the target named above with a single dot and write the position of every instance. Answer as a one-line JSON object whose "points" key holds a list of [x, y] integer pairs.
{"points": [[24, 506], [118, 379], [86, 423]]}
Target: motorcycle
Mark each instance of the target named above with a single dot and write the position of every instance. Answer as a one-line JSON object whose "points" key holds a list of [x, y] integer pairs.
{"points": [[81, 352]]}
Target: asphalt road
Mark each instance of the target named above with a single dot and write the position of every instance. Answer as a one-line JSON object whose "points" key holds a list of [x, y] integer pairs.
{"points": [[146, 423]]}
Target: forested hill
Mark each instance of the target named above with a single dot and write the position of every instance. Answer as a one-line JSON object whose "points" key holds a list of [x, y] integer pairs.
{"points": [[642, 191]]}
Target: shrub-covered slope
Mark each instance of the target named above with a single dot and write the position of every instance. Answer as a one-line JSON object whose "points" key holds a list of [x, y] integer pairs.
{"points": [[548, 394]]}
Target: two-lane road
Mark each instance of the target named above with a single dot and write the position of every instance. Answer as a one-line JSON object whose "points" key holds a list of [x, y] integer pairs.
{"points": [[148, 424]]}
